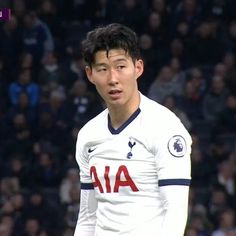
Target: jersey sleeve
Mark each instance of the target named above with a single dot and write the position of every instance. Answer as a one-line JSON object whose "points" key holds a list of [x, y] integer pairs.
{"points": [[87, 214], [88, 204], [175, 209], [82, 161], [173, 149], [172, 152]]}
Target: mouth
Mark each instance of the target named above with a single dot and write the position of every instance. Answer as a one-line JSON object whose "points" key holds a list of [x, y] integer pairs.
{"points": [[115, 93]]}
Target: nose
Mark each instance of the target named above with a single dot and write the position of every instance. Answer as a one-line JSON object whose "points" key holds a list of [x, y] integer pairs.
{"points": [[113, 78]]}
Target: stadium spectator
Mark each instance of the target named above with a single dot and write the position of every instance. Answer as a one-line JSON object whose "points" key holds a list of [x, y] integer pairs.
{"points": [[214, 100], [5, 230], [51, 75], [72, 208], [37, 38], [73, 70], [191, 101], [24, 83], [26, 61], [230, 39], [49, 14], [17, 167], [70, 181], [188, 11], [43, 213], [225, 176], [227, 121], [149, 55], [18, 136], [45, 172], [218, 202], [23, 106], [82, 103], [156, 29], [171, 103], [163, 9], [206, 42], [164, 85], [31, 227], [10, 44], [226, 223], [128, 12]]}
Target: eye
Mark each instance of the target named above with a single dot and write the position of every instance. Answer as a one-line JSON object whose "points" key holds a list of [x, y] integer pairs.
{"points": [[101, 69], [120, 67]]}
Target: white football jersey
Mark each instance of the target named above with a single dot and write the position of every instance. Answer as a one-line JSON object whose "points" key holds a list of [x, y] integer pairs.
{"points": [[128, 166]]}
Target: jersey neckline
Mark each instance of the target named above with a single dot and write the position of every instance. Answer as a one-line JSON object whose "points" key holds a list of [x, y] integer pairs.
{"points": [[124, 125]]}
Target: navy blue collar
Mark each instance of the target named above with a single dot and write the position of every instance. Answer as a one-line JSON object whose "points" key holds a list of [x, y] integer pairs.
{"points": [[118, 130]]}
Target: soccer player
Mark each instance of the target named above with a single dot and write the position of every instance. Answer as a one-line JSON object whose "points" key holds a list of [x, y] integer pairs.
{"points": [[134, 157]]}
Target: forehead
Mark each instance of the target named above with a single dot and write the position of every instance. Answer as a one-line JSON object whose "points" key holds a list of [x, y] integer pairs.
{"points": [[111, 55]]}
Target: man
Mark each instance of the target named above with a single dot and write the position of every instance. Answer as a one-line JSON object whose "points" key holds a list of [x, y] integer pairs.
{"points": [[134, 157]]}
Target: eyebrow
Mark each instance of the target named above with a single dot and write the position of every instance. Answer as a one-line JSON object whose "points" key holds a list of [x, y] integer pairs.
{"points": [[120, 60], [115, 61], [100, 64]]}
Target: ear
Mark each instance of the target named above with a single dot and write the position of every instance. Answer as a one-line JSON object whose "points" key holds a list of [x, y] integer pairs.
{"points": [[89, 73], [139, 67]]}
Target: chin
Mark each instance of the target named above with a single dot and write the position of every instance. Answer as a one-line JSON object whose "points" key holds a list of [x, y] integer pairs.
{"points": [[115, 102]]}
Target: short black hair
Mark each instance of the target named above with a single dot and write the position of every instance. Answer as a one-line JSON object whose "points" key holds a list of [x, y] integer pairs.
{"points": [[112, 36]]}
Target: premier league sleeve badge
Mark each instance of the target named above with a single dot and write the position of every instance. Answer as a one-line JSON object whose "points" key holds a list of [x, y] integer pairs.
{"points": [[177, 146]]}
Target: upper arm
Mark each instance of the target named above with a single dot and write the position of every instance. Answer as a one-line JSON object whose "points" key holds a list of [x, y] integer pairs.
{"points": [[82, 161], [173, 151], [88, 203], [174, 175]]}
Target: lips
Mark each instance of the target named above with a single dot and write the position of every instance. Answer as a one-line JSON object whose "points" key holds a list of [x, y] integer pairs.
{"points": [[115, 93]]}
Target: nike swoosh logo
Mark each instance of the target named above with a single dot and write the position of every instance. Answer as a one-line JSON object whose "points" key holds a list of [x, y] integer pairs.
{"points": [[91, 150]]}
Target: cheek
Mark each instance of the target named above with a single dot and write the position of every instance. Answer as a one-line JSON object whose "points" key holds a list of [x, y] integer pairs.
{"points": [[100, 88], [128, 77], [98, 81]]}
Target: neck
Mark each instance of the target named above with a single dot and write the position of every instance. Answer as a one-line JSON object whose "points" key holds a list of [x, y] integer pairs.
{"points": [[120, 114]]}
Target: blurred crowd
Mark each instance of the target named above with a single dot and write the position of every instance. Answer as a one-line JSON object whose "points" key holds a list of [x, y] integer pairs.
{"points": [[189, 51]]}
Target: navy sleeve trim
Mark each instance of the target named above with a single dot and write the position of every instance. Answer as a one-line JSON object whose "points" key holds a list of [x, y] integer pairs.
{"points": [[165, 182], [86, 186]]}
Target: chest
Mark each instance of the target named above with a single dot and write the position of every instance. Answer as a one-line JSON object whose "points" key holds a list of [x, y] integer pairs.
{"points": [[121, 164]]}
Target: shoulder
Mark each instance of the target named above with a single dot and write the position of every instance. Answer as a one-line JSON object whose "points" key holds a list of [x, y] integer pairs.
{"points": [[160, 122], [166, 134], [93, 126], [156, 112]]}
